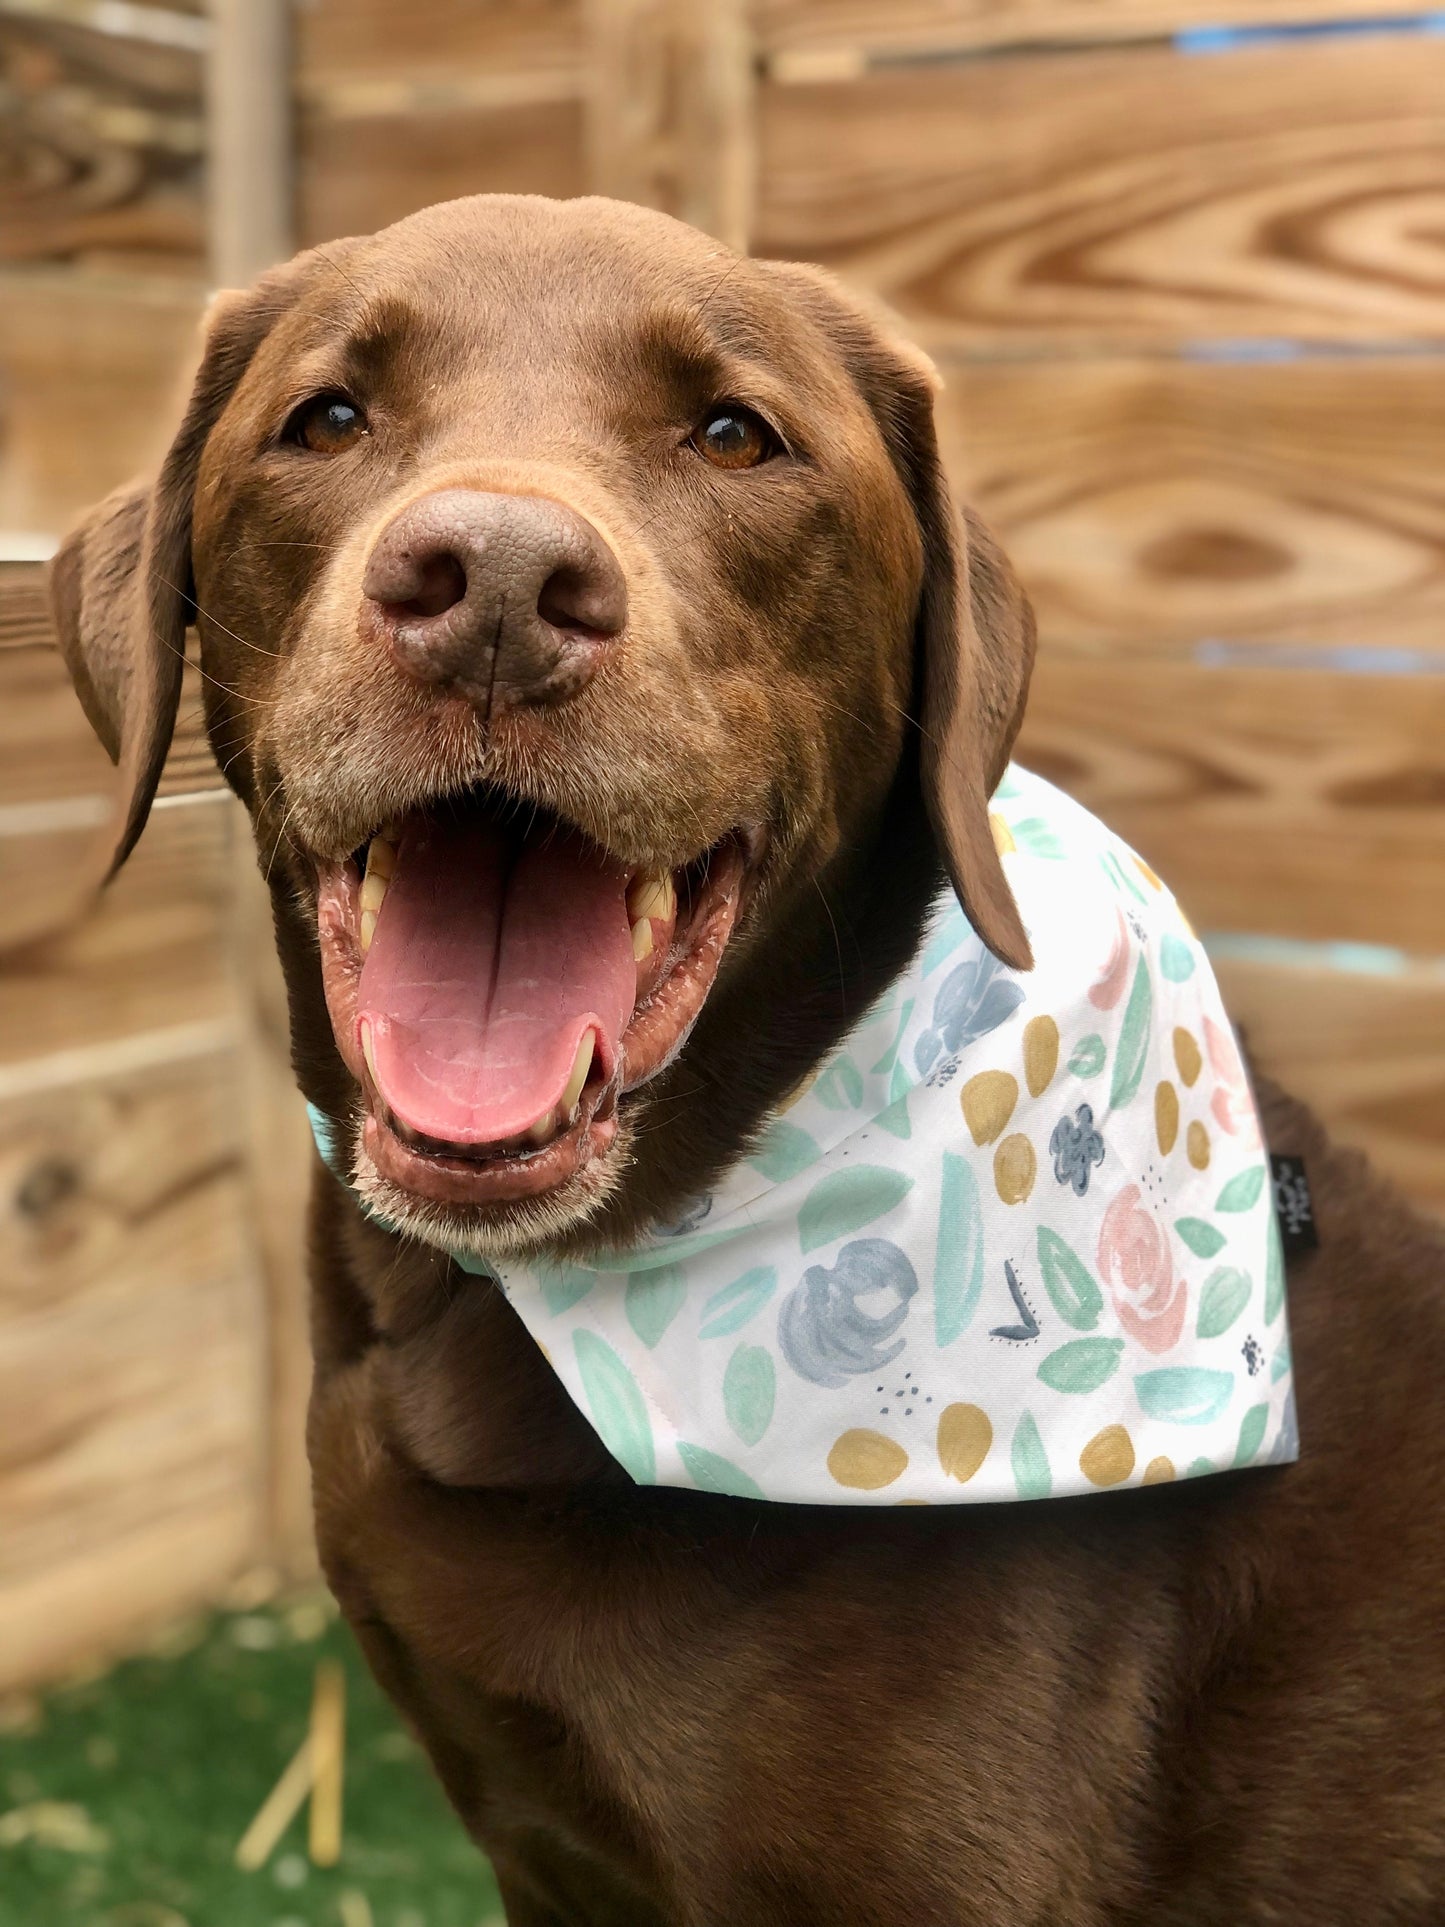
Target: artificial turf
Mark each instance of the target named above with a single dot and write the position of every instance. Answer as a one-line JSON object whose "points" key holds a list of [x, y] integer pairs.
{"points": [[123, 1797]]}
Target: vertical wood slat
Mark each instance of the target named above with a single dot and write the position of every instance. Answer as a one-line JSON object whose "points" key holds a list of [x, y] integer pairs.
{"points": [[251, 228], [248, 96], [669, 109]]}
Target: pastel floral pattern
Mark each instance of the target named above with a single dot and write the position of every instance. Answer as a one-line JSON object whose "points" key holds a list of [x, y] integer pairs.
{"points": [[1232, 1104], [1136, 1262]]}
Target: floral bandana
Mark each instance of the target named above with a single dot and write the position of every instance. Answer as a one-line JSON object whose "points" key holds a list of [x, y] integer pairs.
{"points": [[1015, 1239]]}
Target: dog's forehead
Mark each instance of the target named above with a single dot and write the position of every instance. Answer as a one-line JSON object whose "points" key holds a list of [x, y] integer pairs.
{"points": [[584, 279]]}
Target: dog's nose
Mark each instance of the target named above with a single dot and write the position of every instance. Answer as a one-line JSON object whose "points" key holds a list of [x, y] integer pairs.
{"points": [[510, 599]]}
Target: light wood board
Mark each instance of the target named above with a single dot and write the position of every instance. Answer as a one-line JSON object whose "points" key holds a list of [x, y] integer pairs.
{"points": [[1366, 1052], [1155, 503], [818, 36], [1139, 197], [1298, 803]]}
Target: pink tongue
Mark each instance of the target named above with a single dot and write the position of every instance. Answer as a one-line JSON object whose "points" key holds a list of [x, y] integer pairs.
{"points": [[491, 961]]}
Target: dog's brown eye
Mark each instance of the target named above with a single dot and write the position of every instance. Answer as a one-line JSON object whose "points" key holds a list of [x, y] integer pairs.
{"points": [[734, 438], [327, 424]]}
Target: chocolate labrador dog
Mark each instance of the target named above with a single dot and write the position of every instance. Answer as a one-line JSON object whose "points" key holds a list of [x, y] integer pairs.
{"points": [[595, 593]]}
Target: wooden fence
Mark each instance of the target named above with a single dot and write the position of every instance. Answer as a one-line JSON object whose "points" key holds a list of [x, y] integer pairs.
{"points": [[1186, 285]]}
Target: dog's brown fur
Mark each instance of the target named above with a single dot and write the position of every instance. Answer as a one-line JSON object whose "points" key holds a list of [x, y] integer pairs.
{"points": [[1223, 1701]]}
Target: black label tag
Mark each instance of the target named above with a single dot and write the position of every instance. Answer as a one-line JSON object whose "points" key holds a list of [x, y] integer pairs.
{"points": [[1293, 1206]]}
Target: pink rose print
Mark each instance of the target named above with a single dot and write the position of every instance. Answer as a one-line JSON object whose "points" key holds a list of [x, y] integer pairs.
{"points": [[1232, 1105], [1134, 1259], [1110, 988]]}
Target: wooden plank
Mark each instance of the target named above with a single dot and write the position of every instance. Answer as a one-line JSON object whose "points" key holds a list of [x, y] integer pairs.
{"points": [[806, 39], [151, 953], [1299, 803], [47, 750], [1366, 1051], [100, 147], [1150, 503], [366, 170], [669, 109], [131, 1351], [118, 1179], [93, 374], [1139, 197], [128, 1420], [249, 112], [338, 41], [279, 1165]]}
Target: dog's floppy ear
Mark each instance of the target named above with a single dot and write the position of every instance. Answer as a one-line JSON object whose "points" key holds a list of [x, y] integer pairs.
{"points": [[975, 629], [120, 585]]}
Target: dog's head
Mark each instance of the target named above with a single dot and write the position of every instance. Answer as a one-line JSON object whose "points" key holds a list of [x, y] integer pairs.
{"points": [[587, 630]]}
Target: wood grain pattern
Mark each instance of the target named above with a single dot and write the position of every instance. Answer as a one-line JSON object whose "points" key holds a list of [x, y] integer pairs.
{"points": [[1368, 1053], [1298, 803], [100, 148], [1158, 503], [800, 35], [111, 1181], [47, 750], [150, 953], [131, 1354], [93, 373], [1133, 197], [279, 1163], [124, 1419], [365, 171], [669, 89], [341, 40]]}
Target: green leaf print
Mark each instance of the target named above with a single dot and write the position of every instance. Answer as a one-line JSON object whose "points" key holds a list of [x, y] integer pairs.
{"points": [[840, 1087], [564, 1286], [730, 1307], [1251, 1433], [1185, 1394], [1274, 1274], [846, 1200], [1032, 1478], [1198, 1468], [1200, 1235], [1133, 1051], [785, 1151], [1176, 959], [1089, 1055], [653, 1300], [1242, 1191], [618, 1408], [890, 1056], [1083, 1365], [1071, 1288], [958, 1261], [748, 1391], [1280, 1363], [710, 1472], [1037, 836], [1225, 1295]]}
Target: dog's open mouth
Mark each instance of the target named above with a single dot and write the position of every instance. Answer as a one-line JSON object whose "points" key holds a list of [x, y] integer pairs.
{"points": [[497, 982]]}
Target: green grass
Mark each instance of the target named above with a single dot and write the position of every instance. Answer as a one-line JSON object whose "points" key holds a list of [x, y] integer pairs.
{"points": [[122, 1797]]}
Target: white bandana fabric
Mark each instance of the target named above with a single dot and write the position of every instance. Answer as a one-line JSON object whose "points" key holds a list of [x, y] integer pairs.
{"points": [[1016, 1239]]}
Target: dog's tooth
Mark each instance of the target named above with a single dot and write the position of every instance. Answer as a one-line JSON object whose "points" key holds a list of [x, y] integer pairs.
{"points": [[368, 929], [366, 1049], [373, 891], [642, 939], [544, 1129], [381, 858], [651, 894], [581, 1064]]}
